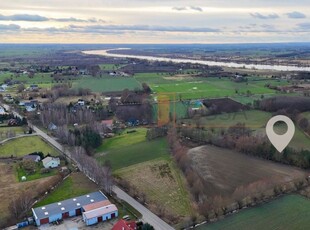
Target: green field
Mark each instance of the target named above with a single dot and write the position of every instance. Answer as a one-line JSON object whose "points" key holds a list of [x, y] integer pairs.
{"points": [[25, 145], [110, 66], [75, 185], [189, 87], [286, 213], [107, 84], [131, 148]]}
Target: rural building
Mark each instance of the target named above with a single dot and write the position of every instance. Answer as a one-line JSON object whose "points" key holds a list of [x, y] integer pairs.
{"points": [[35, 158], [51, 162], [98, 212], [107, 123], [52, 126], [125, 225], [65, 209]]}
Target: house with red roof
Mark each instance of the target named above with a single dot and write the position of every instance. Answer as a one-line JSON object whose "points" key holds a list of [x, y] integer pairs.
{"points": [[125, 225]]}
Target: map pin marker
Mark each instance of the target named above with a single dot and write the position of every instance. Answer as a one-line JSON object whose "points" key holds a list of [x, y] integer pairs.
{"points": [[280, 141]]}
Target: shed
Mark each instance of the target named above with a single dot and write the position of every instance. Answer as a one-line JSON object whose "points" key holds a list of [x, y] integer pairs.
{"points": [[66, 208], [100, 214]]}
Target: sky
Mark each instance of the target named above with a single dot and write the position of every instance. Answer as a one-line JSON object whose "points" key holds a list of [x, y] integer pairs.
{"points": [[154, 21]]}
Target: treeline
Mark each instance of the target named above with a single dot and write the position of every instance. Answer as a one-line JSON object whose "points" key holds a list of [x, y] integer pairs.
{"points": [[100, 174], [290, 104], [60, 114], [87, 136], [241, 139], [66, 90]]}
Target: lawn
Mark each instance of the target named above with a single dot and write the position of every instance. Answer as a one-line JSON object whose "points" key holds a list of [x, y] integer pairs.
{"points": [[37, 175], [180, 109], [107, 84], [286, 213], [162, 184], [77, 184], [25, 145]]}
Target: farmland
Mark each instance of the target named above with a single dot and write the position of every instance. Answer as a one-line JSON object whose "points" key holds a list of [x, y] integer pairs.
{"points": [[131, 148], [107, 84], [286, 213], [225, 170], [162, 184], [130, 154], [25, 145]]}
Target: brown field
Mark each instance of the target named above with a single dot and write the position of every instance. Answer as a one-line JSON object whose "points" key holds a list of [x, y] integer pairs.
{"points": [[162, 185], [225, 170], [10, 187]]}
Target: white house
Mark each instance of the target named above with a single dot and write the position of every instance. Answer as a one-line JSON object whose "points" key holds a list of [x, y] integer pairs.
{"points": [[51, 162]]}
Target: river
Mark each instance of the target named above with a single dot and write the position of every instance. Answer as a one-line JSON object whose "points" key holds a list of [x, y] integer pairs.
{"points": [[203, 62]]}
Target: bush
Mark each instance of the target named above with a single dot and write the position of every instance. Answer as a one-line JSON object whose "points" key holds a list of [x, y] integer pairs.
{"points": [[44, 170]]}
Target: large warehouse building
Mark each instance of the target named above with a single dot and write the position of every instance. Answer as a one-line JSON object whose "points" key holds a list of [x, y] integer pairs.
{"points": [[95, 207]]}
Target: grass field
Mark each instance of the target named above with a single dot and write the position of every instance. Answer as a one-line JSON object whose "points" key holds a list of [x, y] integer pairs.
{"points": [[107, 84], [286, 213], [110, 66], [25, 145], [189, 87], [162, 184], [132, 152], [224, 170], [76, 184]]}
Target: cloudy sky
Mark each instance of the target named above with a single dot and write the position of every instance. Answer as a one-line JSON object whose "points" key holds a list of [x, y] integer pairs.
{"points": [[154, 21]]}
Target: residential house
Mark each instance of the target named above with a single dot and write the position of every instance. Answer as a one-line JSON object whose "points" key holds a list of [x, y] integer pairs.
{"points": [[52, 126], [125, 225], [51, 162], [108, 124], [35, 158]]}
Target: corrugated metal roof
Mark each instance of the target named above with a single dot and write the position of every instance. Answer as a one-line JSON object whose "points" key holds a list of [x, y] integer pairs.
{"points": [[100, 211], [68, 205], [96, 205]]}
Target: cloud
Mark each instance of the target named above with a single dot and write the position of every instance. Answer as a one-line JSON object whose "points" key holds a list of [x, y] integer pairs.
{"points": [[261, 16], [296, 15], [143, 28], [304, 26], [183, 8], [196, 8], [23, 17], [9, 27], [38, 18], [177, 8]]}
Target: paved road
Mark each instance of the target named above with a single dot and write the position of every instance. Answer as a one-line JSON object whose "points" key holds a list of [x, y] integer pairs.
{"points": [[148, 216]]}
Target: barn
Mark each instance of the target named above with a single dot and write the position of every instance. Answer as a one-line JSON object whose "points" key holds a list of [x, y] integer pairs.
{"points": [[98, 212], [66, 208]]}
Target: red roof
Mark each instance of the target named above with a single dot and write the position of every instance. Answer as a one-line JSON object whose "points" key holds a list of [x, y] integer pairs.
{"points": [[96, 205], [107, 122], [125, 225]]}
